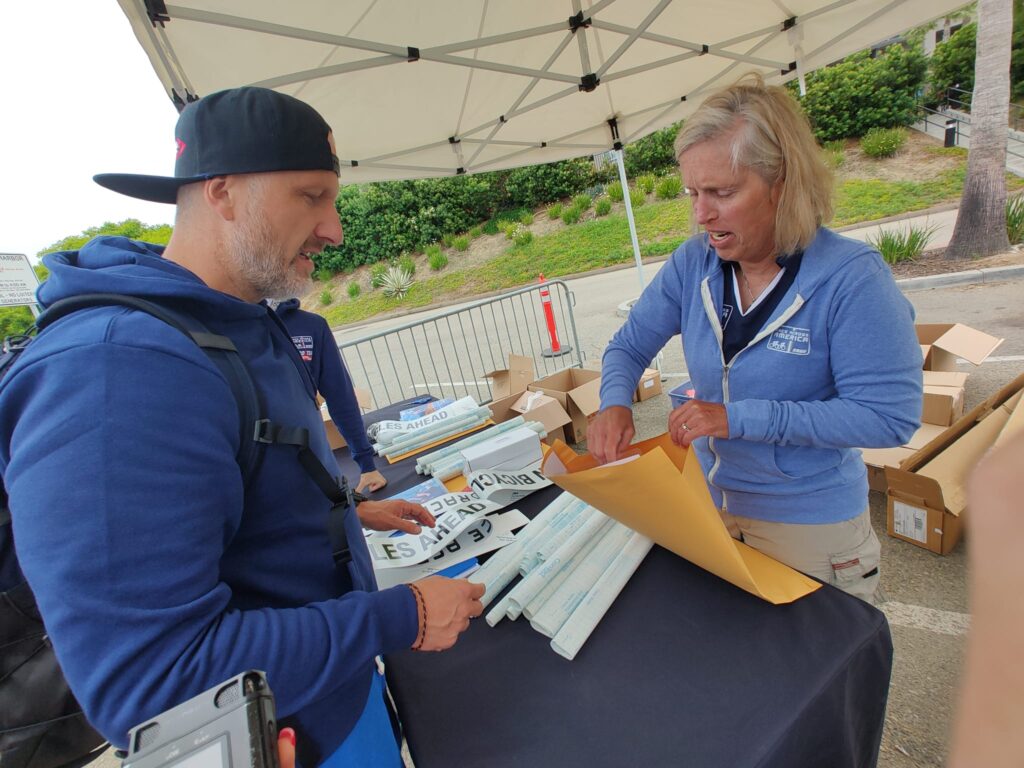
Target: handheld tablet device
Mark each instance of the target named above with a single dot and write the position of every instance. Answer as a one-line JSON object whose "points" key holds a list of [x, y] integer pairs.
{"points": [[232, 725]]}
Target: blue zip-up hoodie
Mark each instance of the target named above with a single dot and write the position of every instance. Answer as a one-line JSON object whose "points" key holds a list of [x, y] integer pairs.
{"points": [[836, 366], [316, 345], [156, 577]]}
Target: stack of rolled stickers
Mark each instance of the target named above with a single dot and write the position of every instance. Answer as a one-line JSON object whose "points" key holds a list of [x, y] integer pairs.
{"points": [[395, 439], [450, 461], [573, 562]]}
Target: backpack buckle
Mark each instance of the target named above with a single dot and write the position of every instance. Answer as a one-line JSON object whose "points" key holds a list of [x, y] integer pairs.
{"points": [[264, 431]]}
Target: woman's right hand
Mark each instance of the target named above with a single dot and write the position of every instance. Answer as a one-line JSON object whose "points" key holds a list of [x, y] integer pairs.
{"points": [[610, 433]]}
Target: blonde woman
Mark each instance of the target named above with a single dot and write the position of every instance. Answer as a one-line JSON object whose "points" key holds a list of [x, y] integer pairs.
{"points": [[798, 342]]}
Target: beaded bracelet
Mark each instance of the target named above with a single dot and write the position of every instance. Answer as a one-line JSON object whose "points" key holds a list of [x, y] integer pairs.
{"points": [[421, 611]]}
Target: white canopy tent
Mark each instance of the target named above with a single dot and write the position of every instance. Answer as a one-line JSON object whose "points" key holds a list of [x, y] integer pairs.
{"points": [[420, 88]]}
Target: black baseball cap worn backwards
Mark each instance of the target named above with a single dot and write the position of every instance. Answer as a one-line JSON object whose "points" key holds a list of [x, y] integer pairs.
{"points": [[242, 130]]}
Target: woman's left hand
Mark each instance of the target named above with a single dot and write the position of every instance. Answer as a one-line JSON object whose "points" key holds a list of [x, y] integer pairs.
{"points": [[697, 418], [394, 515]]}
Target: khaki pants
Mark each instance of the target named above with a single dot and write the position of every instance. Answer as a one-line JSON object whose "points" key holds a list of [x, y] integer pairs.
{"points": [[845, 555]]}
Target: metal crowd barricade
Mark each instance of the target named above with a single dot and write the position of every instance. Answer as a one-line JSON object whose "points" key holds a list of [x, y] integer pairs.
{"points": [[447, 355]]}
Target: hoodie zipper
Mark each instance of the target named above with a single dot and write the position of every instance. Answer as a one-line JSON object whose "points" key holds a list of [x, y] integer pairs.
{"points": [[716, 326]]}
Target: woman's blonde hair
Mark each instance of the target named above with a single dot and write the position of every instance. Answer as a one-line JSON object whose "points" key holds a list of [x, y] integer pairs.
{"points": [[773, 138]]}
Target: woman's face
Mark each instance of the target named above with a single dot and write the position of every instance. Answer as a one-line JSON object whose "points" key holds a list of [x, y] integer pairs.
{"points": [[735, 207]]}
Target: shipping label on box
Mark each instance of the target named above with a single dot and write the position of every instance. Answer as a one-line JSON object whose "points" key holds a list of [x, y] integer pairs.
{"points": [[909, 521]]}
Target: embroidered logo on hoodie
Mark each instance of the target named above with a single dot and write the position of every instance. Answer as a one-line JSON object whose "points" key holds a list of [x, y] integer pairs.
{"points": [[791, 340], [305, 346]]}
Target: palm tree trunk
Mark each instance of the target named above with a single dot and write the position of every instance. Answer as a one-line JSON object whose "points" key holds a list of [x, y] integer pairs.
{"points": [[981, 223]]}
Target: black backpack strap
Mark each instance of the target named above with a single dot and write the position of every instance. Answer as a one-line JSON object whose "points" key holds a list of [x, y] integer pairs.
{"points": [[335, 489], [255, 430], [220, 349]]}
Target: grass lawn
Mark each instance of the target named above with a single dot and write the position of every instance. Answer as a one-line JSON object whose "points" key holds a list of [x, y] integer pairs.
{"points": [[661, 226]]}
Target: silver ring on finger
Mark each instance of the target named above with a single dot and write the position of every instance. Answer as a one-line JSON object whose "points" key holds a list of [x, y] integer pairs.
{"points": [[686, 428]]}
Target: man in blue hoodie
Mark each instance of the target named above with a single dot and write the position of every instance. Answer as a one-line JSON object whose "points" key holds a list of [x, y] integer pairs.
{"points": [[157, 573], [313, 339]]}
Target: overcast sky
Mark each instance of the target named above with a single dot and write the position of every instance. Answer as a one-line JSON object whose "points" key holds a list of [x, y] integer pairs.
{"points": [[79, 97]]}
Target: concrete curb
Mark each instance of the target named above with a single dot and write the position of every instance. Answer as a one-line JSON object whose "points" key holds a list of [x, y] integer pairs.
{"points": [[968, 277]]}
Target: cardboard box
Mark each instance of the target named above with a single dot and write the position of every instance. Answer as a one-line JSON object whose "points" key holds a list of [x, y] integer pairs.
{"points": [[549, 413], [334, 438], [511, 380], [926, 494], [649, 385], [942, 405], [578, 391], [943, 343], [510, 450]]}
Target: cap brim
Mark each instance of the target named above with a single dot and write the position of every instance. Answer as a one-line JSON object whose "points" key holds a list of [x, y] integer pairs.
{"points": [[157, 189]]}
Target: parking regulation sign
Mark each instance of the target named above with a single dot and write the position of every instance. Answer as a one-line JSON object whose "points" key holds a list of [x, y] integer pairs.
{"points": [[18, 281]]}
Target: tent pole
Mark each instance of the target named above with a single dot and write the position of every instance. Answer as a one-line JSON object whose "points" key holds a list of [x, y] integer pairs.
{"points": [[629, 217], [632, 235]]}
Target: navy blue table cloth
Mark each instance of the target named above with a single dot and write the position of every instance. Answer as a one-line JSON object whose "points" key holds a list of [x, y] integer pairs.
{"points": [[684, 670]]}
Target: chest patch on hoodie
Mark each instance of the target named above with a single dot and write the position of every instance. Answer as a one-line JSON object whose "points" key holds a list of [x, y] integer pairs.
{"points": [[305, 346], [791, 340]]}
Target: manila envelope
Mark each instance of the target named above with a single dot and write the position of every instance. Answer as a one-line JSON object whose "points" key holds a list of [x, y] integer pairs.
{"points": [[674, 510]]}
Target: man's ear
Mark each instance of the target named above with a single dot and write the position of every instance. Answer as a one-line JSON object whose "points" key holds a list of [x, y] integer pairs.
{"points": [[221, 194]]}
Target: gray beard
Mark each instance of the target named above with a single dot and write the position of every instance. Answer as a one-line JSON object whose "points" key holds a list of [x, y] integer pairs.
{"points": [[263, 264]]}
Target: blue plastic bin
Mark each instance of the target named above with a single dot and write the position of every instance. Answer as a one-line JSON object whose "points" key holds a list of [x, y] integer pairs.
{"points": [[681, 393]]}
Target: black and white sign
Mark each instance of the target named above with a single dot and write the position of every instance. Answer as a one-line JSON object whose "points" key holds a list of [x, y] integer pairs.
{"points": [[18, 281]]}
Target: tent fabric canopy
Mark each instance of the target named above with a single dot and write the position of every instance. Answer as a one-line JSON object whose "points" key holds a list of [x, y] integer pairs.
{"points": [[441, 87]]}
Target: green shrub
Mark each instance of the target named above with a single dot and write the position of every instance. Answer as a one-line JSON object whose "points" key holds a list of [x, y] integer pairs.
{"points": [[653, 153], [447, 239], [354, 289], [519, 234], [902, 245], [397, 282], [614, 191], [526, 219], [406, 263], [461, 243], [645, 182], [14, 321], [883, 142], [861, 92], [491, 227], [669, 187], [437, 260], [326, 297], [1015, 219], [636, 199], [555, 211], [952, 65], [535, 185], [377, 272], [834, 153], [475, 232], [582, 202], [603, 207], [571, 215]]}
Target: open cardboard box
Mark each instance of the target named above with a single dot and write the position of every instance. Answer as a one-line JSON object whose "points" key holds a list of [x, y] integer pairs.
{"points": [[511, 380], [549, 413], [334, 438], [926, 495], [511, 399], [942, 343], [578, 392]]}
